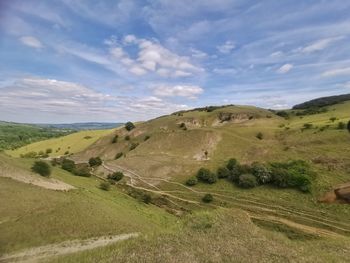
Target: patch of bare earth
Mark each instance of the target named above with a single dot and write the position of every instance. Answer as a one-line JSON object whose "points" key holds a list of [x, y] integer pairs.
{"points": [[67, 247], [339, 194]]}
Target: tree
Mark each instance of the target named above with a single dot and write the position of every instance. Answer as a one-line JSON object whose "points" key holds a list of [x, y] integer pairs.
{"points": [[116, 176], [192, 181], [105, 186], [129, 126], [68, 165], [206, 176], [223, 172], [247, 181], [260, 136], [207, 198], [95, 161], [41, 168]]}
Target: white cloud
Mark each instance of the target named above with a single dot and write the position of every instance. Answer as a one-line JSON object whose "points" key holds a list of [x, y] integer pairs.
{"points": [[337, 72], [49, 98], [276, 54], [188, 91], [31, 42], [198, 53], [152, 57], [225, 71], [320, 45], [227, 47], [285, 68]]}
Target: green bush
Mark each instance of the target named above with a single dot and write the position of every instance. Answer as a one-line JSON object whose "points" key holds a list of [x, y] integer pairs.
{"points": [[332, 119], [116, 176], [247, 181], [206, 176], [341, 125], [95, 161], [262, 173], [231, 164], [348, 126], [48, 151], [105, 186], [115, 139], [82, 171], [223, 172], [133, 145], [118, 155], [192, 181], [129, 126], [68, 165], [146, 198], [41, 168], [29, 155], [146, 137], [307, 126], [259, 135], [127, 138], [207, 198]]}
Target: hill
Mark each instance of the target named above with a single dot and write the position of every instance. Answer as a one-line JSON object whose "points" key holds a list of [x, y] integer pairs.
{"points": [[263, 223], [324, 101]]}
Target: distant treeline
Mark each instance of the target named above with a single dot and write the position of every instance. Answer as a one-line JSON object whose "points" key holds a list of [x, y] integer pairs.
{"points": [[13, 135], [206, 108], [320, 102]]}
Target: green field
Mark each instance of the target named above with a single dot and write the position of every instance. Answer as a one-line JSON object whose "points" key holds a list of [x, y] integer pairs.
{"points": [[71, 143]]}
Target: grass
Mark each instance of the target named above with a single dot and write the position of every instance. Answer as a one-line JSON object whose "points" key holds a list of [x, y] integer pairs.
{"points": [[33, 216], [72, 143]]}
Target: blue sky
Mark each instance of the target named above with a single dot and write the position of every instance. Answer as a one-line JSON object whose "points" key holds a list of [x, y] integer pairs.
{"points": [[80, 60]]}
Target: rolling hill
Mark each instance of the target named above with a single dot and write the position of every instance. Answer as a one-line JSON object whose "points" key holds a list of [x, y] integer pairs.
{"points": [[264, 223]]}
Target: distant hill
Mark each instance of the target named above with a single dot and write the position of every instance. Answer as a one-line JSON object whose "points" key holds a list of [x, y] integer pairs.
{"points": [[324, 101], [83, 125]]}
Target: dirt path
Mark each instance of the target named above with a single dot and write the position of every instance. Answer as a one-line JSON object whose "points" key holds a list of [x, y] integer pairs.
{"points": [[67, 247]]}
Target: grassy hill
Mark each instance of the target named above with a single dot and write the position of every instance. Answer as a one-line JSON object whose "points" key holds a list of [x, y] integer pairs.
{"points": [[262, 224]]}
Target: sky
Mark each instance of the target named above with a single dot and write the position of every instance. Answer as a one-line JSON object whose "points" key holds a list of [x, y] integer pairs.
{"points": [[115, 61]]}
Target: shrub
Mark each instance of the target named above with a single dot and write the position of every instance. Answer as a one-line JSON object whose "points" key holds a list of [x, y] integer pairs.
{"points": [[260, 136], [231, 164], [133, 146], [341, 125], [146, 137], [307, 126], [82, 171], [66, 152], [48, 151], [118, 155], [192, 181], [129, 126], [105, 186], [116, 176], [348, 126], [146, 198], [247, 181], [41, 168], [332, 119], [282, 114], [261, 172], [182, 125], [29, 155], [223, 172], [115, 139], [127, 138], [207, 198], [95, 161], [206, 176], [68, 165]]}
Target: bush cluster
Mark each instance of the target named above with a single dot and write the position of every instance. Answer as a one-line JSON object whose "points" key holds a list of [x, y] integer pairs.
{"points": [[116, 176], [291, 174], [70, 166]]}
